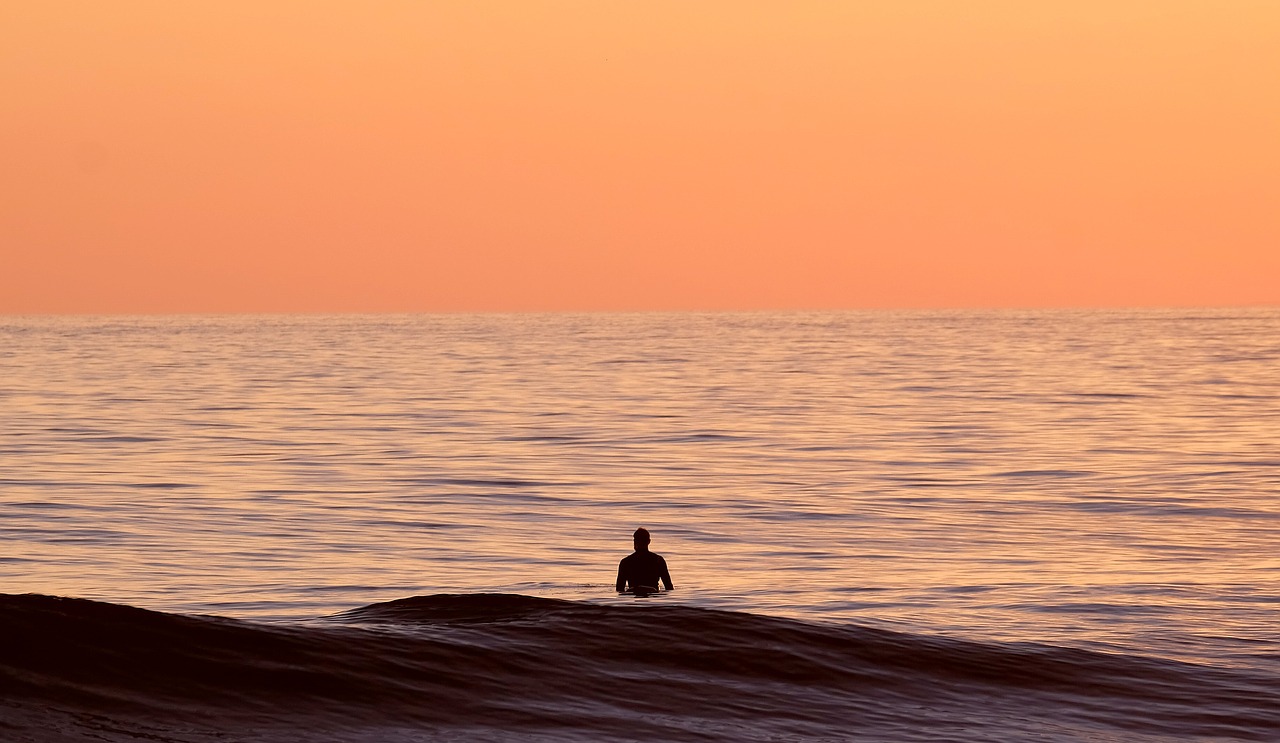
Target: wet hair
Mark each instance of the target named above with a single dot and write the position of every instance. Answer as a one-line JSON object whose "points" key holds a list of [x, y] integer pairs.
{"points": [[641, 535]]}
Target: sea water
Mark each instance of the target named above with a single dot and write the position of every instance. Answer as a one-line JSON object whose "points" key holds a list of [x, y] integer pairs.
{"points": [[1085, 481]]}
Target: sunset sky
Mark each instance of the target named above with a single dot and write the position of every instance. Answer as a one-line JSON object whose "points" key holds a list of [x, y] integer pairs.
{"points": [[318, 155]]}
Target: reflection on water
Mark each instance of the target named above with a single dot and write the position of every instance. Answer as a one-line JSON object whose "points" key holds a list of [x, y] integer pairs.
{"points": [[1089, 478]]}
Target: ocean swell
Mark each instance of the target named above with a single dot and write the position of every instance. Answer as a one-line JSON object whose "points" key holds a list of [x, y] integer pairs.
{"points": [[495, 666]]}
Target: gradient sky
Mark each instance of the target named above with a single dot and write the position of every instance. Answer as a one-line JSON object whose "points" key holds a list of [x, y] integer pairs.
{"points": [[318, 155]]}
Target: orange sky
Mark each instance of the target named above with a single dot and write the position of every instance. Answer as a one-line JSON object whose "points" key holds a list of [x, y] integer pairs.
{"points": [[325, 155]]}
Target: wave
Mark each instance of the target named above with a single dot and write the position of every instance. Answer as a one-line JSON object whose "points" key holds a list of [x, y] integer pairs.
{"points": [[498, 666]]}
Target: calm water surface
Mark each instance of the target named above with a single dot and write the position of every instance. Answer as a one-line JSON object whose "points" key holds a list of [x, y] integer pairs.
{"points": [[1092, 479]]}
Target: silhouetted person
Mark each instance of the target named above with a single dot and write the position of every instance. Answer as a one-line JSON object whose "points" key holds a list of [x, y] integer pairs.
{"points": [[640, 571]]}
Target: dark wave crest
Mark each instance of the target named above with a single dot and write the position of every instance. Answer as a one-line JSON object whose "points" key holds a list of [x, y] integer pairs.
{"points": [[493, 666]]}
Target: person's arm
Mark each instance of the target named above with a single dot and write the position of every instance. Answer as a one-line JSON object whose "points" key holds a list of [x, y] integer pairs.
{"points": [[621, 584], [666, 576]]}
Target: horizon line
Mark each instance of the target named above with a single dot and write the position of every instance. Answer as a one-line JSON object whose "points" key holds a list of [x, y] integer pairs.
{"points": [[658, 311]]}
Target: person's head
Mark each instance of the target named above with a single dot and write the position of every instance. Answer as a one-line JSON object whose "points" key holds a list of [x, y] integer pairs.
{"points": [[641, 538]]}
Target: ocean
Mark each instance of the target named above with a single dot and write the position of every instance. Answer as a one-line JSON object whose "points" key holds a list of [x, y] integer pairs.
{"points": [[1050, 525]]}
